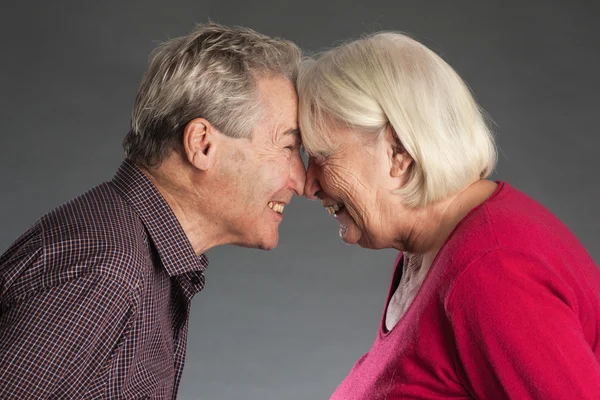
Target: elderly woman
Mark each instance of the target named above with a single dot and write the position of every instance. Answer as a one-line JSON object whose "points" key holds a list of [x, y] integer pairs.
{"points": [[492, 296]]}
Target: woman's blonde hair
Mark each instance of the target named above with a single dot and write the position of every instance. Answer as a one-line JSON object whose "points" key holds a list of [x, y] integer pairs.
{"points": [[390, 79]]}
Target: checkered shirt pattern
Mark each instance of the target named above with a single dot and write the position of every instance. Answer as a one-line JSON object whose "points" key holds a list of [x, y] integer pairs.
{"points": [[95, 297]]}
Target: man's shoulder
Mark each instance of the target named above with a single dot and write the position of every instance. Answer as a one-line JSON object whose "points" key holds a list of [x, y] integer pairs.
{"points": [[98, 231]]}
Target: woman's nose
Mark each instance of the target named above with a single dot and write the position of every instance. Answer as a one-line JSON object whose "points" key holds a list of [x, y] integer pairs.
{"points": [[312, 186]]}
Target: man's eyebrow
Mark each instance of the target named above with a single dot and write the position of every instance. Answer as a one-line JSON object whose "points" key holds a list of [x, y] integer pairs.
{"points": [[293, 132]]}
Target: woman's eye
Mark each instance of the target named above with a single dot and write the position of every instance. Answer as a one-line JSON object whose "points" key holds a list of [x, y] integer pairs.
{"points": [[318, 160]]}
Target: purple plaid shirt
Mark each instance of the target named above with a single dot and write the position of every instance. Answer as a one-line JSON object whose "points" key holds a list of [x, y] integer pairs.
{"points": [[95, 297]]}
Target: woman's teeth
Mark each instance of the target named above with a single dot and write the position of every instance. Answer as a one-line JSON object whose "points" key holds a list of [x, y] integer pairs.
{"points": [[334, 208], [277, 207]]}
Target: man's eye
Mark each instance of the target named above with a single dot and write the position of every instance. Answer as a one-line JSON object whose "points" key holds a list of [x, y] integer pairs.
{"points": [[293, 147]]}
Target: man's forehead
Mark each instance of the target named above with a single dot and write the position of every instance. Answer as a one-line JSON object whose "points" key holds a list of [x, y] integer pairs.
{"points": [[275, 89]]}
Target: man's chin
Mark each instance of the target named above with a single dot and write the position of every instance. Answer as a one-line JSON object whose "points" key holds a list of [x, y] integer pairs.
{"points": [[271, 242], [267, 244], [267, 247]]}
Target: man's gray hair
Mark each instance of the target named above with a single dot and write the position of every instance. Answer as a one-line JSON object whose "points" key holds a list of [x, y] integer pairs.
{"points": [[210, 73]]}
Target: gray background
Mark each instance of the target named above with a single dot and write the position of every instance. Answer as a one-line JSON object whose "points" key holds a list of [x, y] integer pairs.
{"points": [[290, 323]]}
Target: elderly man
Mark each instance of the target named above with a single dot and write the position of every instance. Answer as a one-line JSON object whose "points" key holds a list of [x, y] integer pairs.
{"points": [[95, 297]]}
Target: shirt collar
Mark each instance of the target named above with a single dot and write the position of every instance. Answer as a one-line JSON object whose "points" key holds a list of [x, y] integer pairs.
{"points": [[173, 245]]}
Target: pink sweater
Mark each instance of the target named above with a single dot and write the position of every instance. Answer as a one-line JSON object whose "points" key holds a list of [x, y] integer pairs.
{"points": [[510, 309]]}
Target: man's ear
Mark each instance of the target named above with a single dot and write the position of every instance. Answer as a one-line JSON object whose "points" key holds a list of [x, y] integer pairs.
{"points": [[199, 143]]}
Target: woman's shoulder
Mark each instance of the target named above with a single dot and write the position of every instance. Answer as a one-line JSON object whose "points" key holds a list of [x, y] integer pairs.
{"points": [[509, 222], [518, 222]]}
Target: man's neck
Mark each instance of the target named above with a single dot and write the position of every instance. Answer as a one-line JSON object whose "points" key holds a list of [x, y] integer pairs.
{"points": [[185, 200]]}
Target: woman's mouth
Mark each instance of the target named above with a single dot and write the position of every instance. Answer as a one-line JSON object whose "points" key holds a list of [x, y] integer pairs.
{"points": [[334, 208]]}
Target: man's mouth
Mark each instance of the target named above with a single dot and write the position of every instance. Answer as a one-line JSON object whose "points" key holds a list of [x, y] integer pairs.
{"points": [[276, 206]]}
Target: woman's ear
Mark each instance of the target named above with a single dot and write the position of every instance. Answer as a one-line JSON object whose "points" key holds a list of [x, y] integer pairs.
{"points": [[400, 159], [199, 143], [401, 162]]}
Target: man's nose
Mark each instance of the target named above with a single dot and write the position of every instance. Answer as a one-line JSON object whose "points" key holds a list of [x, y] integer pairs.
{"points": [[312, 186], [297, 177]]}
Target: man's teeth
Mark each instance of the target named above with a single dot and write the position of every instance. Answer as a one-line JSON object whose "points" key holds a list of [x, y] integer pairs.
{"points": [[277, 207], [334, 208]]}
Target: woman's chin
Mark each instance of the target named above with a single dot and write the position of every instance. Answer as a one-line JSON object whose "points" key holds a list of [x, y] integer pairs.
{"points": [[349, 235]]}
